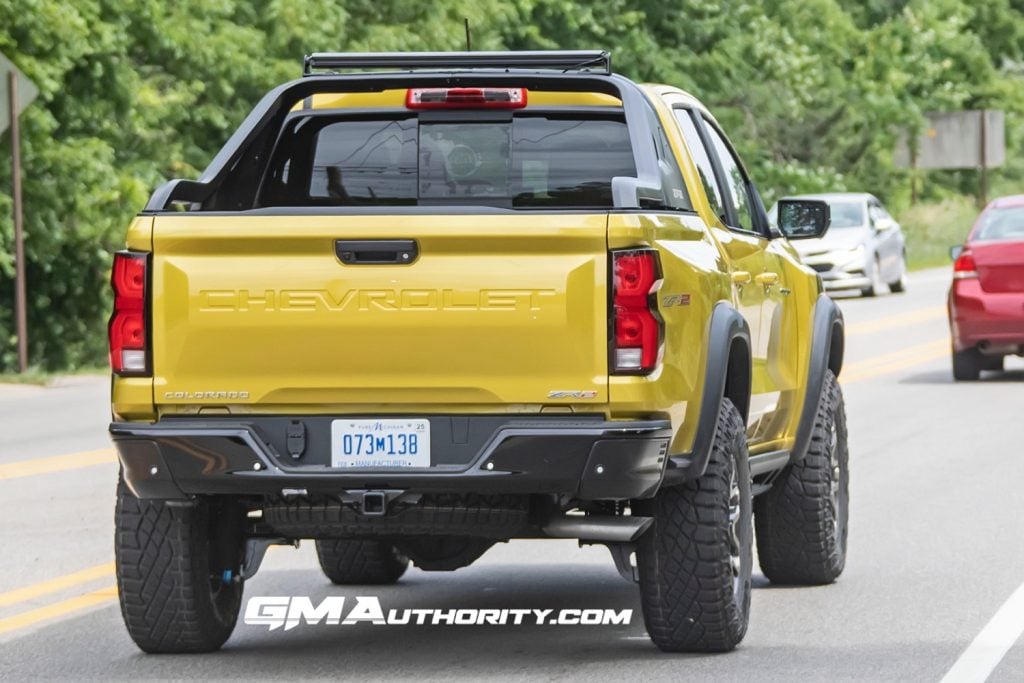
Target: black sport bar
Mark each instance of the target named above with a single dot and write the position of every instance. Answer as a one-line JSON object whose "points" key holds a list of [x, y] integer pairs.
{"points": [[599, 61]]}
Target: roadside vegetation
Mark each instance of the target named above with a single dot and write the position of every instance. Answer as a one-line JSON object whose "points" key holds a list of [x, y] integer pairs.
{"points": [[815, 92], [39, 377], [31, 376], [932, 228]]}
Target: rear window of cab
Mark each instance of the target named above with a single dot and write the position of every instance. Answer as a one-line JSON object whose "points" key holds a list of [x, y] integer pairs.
{"points": [[532, 159]]}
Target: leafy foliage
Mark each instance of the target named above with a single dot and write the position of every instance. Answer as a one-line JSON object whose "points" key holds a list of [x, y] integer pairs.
{"points": [[813, 92], [933, 228]]}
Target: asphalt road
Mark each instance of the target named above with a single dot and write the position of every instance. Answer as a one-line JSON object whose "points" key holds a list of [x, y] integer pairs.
{"points": [[935, 551]]}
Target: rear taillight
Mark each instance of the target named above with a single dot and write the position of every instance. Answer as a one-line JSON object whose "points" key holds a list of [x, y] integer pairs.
{"points": [[963, 267], [129, 324], [465, 98], [637, 329]]}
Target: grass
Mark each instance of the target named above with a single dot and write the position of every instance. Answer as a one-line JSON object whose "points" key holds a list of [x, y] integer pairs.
{"points": [[42, 378], [931, 229]]}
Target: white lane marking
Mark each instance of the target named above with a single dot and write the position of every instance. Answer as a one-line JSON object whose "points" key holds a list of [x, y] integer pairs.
{"points": [[985, 652]]}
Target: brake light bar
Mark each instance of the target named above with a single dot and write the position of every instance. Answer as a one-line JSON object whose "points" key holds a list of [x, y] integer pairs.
{"points": [[129, 324], [637, 327], [465, 98]]}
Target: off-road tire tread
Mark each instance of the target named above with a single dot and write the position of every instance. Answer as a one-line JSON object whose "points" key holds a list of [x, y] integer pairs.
{"points": [[685, 580], [796, 541], [366, 562], [162, 583]]}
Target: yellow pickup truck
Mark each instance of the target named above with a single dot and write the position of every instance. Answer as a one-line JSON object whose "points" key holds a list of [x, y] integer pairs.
{"points": [[422, 303]]}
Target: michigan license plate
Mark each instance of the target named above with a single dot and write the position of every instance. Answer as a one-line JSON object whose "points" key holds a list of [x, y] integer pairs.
{"points": [[380, 443]]}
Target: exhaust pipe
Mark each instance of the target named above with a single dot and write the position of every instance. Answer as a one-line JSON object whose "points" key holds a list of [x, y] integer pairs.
{"points": [[987, 348], [612, 529]]}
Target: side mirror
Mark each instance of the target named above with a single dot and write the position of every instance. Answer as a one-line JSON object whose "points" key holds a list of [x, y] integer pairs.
{"points": [[801, 219], [954, 252]]}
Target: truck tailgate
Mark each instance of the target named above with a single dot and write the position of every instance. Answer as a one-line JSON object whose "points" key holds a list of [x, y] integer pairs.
{"points": [[259, 311]]}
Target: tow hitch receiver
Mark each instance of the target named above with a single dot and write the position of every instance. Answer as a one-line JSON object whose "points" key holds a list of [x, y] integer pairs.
{"points": [[375, 503]]}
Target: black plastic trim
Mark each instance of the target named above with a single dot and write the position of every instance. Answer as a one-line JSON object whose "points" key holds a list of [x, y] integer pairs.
{"points": [[590, 459], [527, 59], [725, 327], [178, 190], [827, 342], [376, 252]]}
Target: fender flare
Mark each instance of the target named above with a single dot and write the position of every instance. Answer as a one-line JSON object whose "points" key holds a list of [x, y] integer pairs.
{"points": [[827, 344], [725, 327]]}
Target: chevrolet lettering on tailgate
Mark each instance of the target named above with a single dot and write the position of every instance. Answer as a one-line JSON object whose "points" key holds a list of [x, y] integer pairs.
{"points": [[312, 300]]}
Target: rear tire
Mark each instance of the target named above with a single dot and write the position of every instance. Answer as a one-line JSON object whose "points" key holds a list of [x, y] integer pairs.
{"points": [[695, 561], [346, 561], [992, 363], [875, 288], [967, 365], [900, 285], [173, 598], [802, 520]]}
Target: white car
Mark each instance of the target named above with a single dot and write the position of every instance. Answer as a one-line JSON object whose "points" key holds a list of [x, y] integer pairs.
{"points": [[864, 248]]}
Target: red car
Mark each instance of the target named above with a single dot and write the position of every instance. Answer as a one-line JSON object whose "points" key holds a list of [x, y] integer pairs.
{"points": [[986, 301]]}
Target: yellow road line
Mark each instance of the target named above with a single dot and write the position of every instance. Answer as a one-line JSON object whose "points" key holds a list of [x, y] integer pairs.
{"points": [[53, 585], [58, 609], [58, 463], [898, 320], [885, 370], [897, 355], [894, 362]]}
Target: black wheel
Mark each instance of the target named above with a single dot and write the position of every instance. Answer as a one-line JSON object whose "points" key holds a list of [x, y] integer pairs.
{"points": [[801, 522], [346, 561], [899, 286], [175, 595], [875, 275], [695, 560], [992, 363], [967, 365]]}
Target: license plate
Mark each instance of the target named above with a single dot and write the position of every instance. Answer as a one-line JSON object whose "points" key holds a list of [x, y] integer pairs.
{"points": [[380, 443]]}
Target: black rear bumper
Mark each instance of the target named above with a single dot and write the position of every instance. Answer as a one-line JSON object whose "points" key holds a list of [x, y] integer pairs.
{"points": [[584, 458]]}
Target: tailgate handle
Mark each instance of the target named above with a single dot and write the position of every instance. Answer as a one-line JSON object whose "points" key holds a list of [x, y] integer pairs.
{"points": [[371, 252]]}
